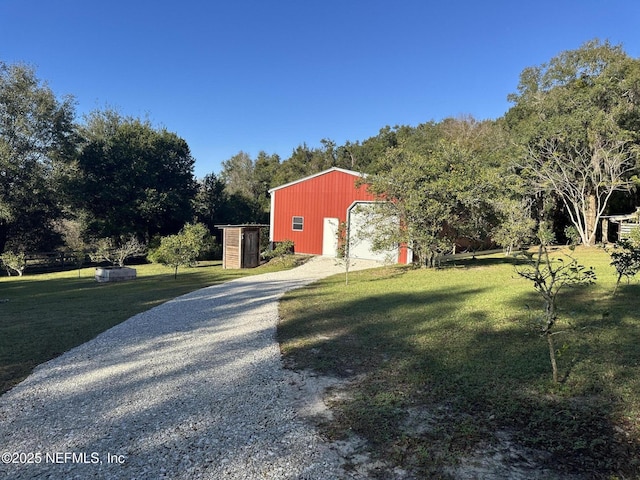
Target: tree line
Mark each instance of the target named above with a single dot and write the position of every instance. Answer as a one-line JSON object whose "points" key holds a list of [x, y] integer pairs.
{"points": [[564, 154]]}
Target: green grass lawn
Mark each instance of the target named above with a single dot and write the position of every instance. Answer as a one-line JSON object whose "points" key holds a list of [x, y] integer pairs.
{"points": [[443, 359], [42, 316]]}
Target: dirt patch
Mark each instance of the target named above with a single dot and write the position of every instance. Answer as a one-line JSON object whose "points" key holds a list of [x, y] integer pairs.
{"points": [[309, 394], [502, 458], [506, 459]]}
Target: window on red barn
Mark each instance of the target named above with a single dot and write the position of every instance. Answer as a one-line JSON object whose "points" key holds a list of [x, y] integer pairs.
{"points": [[297, 223]]}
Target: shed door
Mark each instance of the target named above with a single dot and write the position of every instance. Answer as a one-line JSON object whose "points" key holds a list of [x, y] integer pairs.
{"points": [[330, 237], [250, 249]]}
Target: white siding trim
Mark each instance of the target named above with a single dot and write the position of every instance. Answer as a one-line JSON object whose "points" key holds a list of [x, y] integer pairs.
{"points": [[272, 217]]}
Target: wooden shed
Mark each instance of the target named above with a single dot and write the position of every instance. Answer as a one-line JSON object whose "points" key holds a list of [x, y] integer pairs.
{"points": [[623, 225], [241, 245]]}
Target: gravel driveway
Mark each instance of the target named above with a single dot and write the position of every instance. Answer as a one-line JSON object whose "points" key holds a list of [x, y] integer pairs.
{"points": [[191, 389]]}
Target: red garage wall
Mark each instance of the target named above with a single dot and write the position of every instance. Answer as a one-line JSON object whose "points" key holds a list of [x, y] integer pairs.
{"points": [[327, 194]]}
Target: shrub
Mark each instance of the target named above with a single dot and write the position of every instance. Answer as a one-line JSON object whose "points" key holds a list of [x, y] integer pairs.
{"points": [[14, 261], [625, 258], [572, 235], [182, 249], [280, 250]]}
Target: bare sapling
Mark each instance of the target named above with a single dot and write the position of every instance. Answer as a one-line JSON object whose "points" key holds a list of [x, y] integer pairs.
{"points": [[549, 276]]}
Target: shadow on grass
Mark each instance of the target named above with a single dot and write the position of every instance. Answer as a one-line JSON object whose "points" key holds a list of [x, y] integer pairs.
{"points": [[483, 261], [584, 422], [429, 384]]}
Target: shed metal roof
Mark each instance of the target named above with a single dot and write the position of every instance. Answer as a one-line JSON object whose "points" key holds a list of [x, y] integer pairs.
{"points": [[243, 225]]}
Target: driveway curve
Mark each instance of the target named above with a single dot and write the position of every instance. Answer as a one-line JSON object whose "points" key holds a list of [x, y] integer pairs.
{"points": [[191, 389]]}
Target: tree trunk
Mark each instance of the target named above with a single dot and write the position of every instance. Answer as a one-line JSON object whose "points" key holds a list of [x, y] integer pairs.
{"points": [[346, 270], [591, 220], [4, 230], [430, 259], [552, 356], [550, 320]]}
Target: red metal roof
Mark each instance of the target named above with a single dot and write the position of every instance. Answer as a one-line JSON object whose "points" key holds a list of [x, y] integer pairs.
{"points": [[324, 172]]}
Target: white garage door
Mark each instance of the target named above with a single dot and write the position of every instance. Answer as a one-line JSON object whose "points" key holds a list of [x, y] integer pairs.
{"points": [[361, 231]]}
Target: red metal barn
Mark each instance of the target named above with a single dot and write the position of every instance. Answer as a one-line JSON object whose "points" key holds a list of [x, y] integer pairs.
{"points": [[308, 212]]}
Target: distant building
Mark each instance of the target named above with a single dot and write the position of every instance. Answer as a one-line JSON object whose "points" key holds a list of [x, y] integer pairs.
{"points": [[622, 225], [308, 212]]}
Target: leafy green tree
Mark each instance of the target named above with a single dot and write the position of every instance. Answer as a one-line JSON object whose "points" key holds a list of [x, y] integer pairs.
{"points": [[213, 205], [305, 161], [515, 227], [265, 173], [133, 178], [240, 209], [474, 178], [238, 175], [76, 245], [373, 151], [298, 165], [36, 144], [420, 196], [72, 232], [247, 184], [444, 181], [477, 154], [327, 156], [578, 120], [183, 248], [209, 202], [367, 156]]}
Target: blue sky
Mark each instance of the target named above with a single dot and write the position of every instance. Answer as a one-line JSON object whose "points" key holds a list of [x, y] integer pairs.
{"points": [[270, 75]]}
